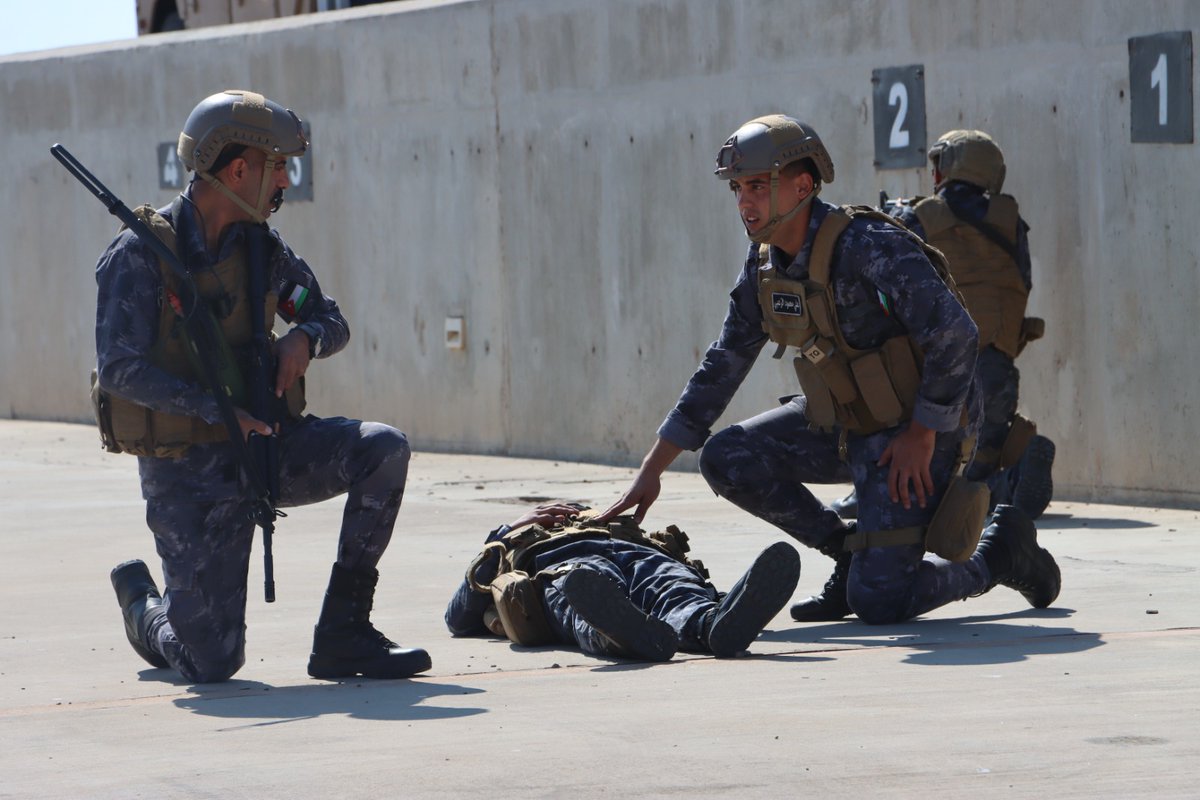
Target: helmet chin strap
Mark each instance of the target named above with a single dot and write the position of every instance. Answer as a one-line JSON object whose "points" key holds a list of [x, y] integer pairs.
{"points": [[258, 214], [764, 234]]}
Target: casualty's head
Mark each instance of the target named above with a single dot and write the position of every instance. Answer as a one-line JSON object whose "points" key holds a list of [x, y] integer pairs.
{"points": [[239, 142], [970, 156], [780, 161]]}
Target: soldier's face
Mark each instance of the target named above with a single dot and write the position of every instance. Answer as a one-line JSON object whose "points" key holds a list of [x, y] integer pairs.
{"points": [[753, 194], [249, 180]]}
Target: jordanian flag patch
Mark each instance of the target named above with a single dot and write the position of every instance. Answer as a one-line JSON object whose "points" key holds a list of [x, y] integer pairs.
{"points": [[290, 305]]}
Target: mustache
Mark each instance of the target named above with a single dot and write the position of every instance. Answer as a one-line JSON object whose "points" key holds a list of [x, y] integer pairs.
{"points": [[276, 200]]}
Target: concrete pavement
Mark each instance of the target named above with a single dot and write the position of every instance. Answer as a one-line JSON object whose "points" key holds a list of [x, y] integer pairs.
{"points": [[1098, 696]]}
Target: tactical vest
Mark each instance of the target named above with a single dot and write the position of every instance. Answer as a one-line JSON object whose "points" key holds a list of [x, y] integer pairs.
{"points": [[127, 427], [517, 612], [985, 272], [863, 391]]}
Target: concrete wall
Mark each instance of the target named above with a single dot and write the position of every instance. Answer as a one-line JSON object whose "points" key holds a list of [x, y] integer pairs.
{"points": [[543, 169]]}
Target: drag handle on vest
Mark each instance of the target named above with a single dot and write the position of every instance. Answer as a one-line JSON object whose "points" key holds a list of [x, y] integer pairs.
{"points": [[264, 449], [206, 337]]}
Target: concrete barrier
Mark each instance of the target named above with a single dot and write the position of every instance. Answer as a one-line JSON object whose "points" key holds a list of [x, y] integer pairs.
{"points": [[543, 171]]}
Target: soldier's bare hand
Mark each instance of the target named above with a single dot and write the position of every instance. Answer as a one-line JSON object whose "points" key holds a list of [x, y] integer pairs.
{"points": [[908, 457], [548, 514], [642, 493], [292, 354], [250, 424]]}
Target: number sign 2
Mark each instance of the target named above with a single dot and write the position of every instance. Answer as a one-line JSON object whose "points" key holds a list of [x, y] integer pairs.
{"points": [[899, 113], [1160, 87]]}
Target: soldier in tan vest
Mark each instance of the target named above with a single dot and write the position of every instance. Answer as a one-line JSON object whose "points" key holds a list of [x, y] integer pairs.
{"points": [[151, 403], [885, 356], [987, 246]]}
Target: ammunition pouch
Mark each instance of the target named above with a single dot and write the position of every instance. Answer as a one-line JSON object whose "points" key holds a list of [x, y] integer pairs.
{"points": [[957, 524], [954, 531], [1020, 434], [518, 600], [1032, 329]]}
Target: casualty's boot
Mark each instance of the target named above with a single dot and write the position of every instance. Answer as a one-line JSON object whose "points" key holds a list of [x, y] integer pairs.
{"points": [[847, 507], [345, 643], [602, 604], [754, 600], [1035, 484], [831, 604], [140, 604], [1009, 548]]}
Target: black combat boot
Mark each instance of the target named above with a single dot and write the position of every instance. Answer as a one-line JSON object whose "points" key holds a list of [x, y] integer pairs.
{"points": [[632, 633], [1009, 548], [831, 604], [754, 600], [345, 643], [1035, 484], [140, 604], [847, 507]]}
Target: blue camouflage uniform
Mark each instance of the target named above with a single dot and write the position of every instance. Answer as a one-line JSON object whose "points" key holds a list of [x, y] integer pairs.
{"points": [[196, 504], [657, 584], [998, 375], [883, 286]]}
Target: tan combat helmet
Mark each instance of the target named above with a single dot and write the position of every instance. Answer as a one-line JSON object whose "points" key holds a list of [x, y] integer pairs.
{"points": [[241, 118], [970, 156], [768, 144]]}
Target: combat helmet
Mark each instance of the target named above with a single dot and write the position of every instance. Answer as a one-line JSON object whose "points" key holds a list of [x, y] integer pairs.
{"points": [[768, 144], [236, 117], [970, 156]]}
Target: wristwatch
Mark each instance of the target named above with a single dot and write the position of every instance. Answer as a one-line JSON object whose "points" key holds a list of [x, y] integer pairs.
{"points": [[313, 332]]}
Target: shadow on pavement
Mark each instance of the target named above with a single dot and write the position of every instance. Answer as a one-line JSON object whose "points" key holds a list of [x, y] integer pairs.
{"points": [[358, 698], [1068, 522], [965, 640]]}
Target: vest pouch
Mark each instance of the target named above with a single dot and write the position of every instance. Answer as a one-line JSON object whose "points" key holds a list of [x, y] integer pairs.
{"points": [[1020, 433], [102, 410], [876, 389], [954, 531], [786, 319], [818, 406], [518, 601]]}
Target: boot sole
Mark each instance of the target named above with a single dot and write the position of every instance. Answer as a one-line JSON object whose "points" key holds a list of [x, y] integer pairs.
{"points": [[765, 590], [380, 667], [602, 604]]}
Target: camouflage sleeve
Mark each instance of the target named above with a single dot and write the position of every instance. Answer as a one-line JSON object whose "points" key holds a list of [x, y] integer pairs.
{"points": [[302, 302], [941, 327], [129, 287], [725, 365], [905, 213]]}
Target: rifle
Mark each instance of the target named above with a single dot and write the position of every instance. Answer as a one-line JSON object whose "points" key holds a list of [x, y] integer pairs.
{"points": [[204, 340]]}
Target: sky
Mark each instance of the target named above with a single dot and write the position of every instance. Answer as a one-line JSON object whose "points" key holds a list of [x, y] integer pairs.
{"points": [[28, 25]]}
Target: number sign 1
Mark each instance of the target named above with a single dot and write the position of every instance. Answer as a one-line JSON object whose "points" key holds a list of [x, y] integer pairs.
{"points": [[899, 112], [1160, 87]]}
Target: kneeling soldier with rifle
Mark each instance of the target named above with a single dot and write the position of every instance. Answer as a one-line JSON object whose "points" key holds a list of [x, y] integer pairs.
{"points": [[190, 380], [556, 576]]}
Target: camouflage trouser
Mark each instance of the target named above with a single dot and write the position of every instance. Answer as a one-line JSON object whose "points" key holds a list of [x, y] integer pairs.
{"points": [[1000, 382], [656, 583], [205, 546], [762, 464]]}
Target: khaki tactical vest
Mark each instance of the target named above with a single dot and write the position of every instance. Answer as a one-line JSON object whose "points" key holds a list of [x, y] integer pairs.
{"points": [[127, 427], [986, 273], [864, 391], [517, 612]]}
